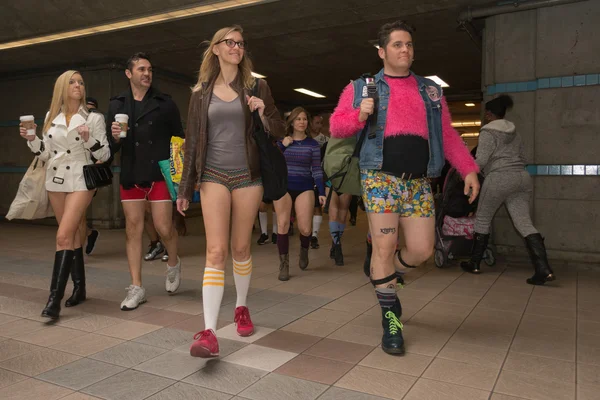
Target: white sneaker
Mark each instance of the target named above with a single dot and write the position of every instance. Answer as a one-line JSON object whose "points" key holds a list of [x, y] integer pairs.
{"points": [[136, 295], [173, 277]]}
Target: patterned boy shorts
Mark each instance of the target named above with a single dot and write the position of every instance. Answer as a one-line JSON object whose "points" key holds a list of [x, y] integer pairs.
{"points": [[384, 193]]}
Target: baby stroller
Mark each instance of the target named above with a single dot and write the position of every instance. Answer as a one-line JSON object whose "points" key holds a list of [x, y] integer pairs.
{"points": [[454, 223]]}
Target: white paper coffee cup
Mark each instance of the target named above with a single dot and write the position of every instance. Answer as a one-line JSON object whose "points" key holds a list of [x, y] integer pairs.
{"points": [[123, 120], [28, 122]]}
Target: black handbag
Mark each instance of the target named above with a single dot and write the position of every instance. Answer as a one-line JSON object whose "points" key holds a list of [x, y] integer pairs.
{"points": [[97, 175], [273, 167]]}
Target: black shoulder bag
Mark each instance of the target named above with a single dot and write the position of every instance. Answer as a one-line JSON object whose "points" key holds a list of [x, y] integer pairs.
{"points": [[97, 175], [273, 167]]}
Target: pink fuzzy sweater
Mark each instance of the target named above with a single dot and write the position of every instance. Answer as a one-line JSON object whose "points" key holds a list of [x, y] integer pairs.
{"points": [[406, 116]]}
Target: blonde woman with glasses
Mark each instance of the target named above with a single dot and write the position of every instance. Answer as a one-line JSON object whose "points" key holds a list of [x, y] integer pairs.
{"points": [[221, 154], [71, 135]]}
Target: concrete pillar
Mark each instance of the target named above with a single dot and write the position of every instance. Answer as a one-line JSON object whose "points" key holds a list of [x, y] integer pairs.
{"points": [[548, 60]]}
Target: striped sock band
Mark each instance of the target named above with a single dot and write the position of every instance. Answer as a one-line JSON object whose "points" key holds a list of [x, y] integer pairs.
{"points": [[242, 271], [386, 297]]}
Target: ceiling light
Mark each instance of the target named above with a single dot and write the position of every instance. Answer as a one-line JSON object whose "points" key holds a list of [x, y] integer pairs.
{"points": [[438, 80], [254, 74], [310, 93], [135, 22], [470, 104], [466, 123]]}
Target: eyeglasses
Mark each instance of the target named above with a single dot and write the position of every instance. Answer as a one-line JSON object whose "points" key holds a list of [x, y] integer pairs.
{"points": [[231, 43]]}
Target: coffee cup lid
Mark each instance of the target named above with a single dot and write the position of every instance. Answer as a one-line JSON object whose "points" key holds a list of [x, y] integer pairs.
{"points": [[122, 116], [26, 118]]}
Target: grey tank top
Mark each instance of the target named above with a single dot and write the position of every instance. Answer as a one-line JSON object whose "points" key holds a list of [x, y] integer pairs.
{"points": [[226, 134]]}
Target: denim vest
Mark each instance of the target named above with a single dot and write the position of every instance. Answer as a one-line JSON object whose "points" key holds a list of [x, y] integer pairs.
{"points": [[371, 154]]}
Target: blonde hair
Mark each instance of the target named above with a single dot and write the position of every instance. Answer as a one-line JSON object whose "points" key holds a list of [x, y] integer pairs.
{"points": [[210, 67], [289, 123], [60, 94]]}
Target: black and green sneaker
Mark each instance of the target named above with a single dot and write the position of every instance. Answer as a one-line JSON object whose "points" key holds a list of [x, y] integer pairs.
{"points": [[392, 341]]}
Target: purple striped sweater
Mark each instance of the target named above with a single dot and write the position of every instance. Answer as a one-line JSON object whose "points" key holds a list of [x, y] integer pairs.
{"points": [[303, 159]]}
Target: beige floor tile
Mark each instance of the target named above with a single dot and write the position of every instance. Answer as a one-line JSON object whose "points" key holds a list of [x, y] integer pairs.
{"points": [[339, 350], [541, 367], [51, 336], [162, 318], [128, 330], [187, 307], [34, 389], [408, 364], [260, 357], [462, 374], [38, 361], [88, 344], [332, 316], [281, 387], [12, 348], [477, 338], [588, 392], [565, 349], [588, 349], [312, 327], [288, 341], [315, 369], [358, 334], [588, 374], [22, 327], [350, 307], [91, 322], [498, 396], [5, 318], [424, 341], [230, 332], [173, 364], [534, 387], [8, 378], [80, 396], [588, 327], [376, 382], [426, 389], [472, 354]]}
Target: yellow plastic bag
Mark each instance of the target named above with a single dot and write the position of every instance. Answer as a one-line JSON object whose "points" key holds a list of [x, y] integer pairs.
{"points": [[176, 159]]}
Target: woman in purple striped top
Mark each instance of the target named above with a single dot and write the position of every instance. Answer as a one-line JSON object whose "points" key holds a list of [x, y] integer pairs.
{"points": [[303, 156]]}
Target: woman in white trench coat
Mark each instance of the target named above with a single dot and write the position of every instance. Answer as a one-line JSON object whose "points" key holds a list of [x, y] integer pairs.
{"points": [[70, 136]]}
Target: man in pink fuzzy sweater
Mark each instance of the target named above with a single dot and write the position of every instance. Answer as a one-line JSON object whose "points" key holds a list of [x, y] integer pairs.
{"points": [[408, 135]]}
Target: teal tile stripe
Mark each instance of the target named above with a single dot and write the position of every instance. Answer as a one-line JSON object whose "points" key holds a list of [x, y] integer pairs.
{"points": [[16, 122], [544, 83], [22, 170]]}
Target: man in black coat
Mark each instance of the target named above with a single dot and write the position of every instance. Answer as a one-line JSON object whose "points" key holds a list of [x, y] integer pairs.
{"points": [[153, 119]]}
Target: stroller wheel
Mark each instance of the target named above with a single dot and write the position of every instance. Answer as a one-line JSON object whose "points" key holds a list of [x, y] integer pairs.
{"points": [[439, 258], [489, 258]]}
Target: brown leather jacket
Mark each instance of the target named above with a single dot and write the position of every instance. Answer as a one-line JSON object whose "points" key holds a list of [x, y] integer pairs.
{"points": [[196, 137]]}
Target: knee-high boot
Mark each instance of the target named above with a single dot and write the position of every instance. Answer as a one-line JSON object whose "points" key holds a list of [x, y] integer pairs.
{"points": [[63, 261], [537, 252], [479, 247], [78, 278]]}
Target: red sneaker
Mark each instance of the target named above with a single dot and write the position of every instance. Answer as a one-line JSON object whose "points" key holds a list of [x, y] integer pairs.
{"points": [[245, 327], [205, 345]]}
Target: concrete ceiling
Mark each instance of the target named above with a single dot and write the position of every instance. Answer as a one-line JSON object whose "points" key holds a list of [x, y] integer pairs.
{"points": [[315, 44]]}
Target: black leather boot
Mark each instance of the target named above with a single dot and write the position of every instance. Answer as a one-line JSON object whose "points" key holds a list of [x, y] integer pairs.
{"points": [[78, 278], [367, 264], [392, 341], [338, 255], [60, 275], [303, 263], [479, 246], [537, 252]]}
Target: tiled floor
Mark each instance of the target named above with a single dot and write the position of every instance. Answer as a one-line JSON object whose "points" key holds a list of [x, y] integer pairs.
{"points": [[468, 337]]}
